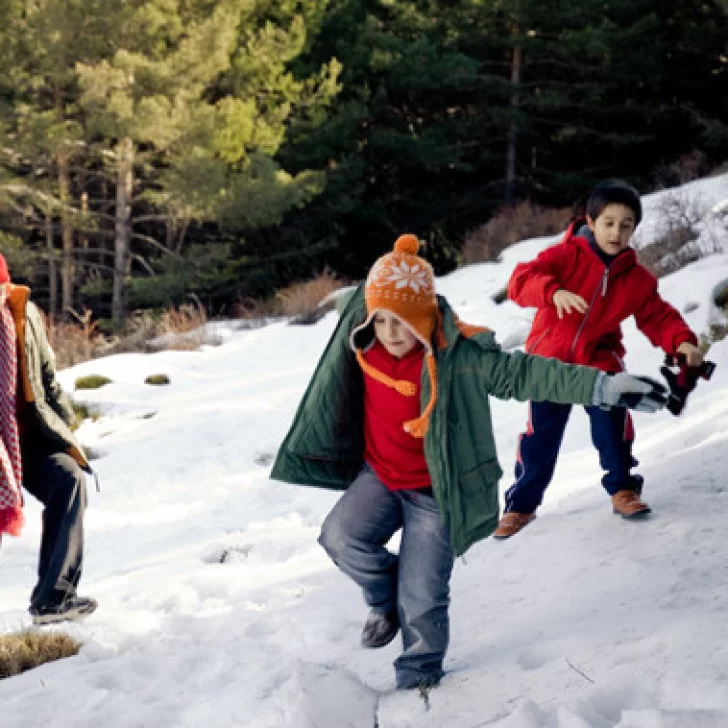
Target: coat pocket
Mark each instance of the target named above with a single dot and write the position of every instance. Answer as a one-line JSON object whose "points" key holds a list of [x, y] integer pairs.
{"points": [[479, 507]]}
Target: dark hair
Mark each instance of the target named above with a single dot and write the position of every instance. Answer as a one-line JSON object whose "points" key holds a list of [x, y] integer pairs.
{"points": [[614, 192]]}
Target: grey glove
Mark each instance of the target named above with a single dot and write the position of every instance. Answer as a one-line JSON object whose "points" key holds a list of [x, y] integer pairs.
{"points": [[624, 390]]}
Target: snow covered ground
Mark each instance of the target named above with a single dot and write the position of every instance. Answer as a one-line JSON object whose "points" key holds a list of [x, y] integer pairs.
{"points": [[217, 607]]}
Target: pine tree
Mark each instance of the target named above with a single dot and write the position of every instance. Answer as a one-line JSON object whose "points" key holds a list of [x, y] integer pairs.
{"points": [[201, 97], [43, 41]]}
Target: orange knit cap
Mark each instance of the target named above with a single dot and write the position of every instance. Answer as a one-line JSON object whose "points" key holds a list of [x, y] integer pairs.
{"points": [[404, 283]]}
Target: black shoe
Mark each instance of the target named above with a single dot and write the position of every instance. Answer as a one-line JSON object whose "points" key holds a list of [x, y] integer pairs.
{"points": [[380, 629], [424, 683], [70, 609]]}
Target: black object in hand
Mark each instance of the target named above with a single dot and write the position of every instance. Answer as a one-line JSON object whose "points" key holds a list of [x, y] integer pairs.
{"points": [[683, 379]]}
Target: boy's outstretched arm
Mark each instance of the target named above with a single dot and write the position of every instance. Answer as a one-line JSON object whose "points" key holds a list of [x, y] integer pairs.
{"points": [[663, 325], [525, 377]]}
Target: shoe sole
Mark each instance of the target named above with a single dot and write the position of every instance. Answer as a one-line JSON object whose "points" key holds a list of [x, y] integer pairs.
{"points": [[635, 515], [72, 615], [380, 644]]}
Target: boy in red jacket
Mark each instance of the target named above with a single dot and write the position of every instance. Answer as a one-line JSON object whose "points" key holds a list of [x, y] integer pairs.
{"points": [[584, 288]]}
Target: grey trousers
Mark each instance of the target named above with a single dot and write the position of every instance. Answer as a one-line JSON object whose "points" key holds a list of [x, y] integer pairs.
{"points": [[416, 582], [58, 482]]}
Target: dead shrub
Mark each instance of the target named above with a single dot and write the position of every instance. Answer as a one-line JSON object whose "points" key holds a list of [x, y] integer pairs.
{"points": [[140, 327], [669, 253], [187, 317], [304, 302], [26, 650], [511, 225], [688, 167], [180, 328], [251, 309], [73, 343], [672, 250]]}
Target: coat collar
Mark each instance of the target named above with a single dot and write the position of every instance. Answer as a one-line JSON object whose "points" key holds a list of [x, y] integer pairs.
{"points": [[624, 261]]}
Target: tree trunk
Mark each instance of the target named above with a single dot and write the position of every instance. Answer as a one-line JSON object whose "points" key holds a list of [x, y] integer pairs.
{"points": [[68, 273], [122, 239], [83, 240], [67, 267], [516, 66], [52, 275]]}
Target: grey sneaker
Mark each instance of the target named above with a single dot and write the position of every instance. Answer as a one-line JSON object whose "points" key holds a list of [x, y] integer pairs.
{"points": [[70, 609], [380, 629]]}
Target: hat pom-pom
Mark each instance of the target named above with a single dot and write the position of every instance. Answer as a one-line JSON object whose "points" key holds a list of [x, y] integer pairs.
{"points": [[407, 244]]}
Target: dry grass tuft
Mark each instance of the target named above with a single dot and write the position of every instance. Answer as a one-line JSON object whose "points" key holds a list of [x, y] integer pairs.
{"points": [[302, 301], [26, 650], [511, 225], [181, 329], [81, 340], [253, 309], [188, 317], [74, 342]]}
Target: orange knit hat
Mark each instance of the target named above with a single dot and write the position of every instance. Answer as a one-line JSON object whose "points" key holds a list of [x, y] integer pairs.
{"points": [[404, 284]]}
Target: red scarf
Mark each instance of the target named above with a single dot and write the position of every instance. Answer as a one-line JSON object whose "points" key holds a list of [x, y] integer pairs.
{"points": [[11, 470]]}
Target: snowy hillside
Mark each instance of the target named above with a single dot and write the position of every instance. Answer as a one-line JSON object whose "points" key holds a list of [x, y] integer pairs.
{"points": [[219, 609]]}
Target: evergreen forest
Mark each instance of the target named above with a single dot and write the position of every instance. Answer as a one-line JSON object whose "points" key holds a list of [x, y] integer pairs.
{"points": [[150, 149]]}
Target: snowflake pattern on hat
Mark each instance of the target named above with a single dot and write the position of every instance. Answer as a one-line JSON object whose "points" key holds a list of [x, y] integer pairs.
{"points": [[403, 275]]}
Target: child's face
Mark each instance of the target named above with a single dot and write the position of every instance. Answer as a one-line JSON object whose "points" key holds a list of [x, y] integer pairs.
{"points": [[613, 228], [393, 334]]}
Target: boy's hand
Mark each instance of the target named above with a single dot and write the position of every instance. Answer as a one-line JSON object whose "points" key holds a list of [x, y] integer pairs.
{"points": [[566, 302], [693, 355], [624, 390]]}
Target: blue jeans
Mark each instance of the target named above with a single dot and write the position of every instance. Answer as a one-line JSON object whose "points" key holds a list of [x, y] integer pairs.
{"points": [[57, 481], [416, 582], [538, 449]]}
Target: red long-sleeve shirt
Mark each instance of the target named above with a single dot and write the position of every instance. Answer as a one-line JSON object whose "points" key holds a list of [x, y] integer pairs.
{"points": [[397, 458]]}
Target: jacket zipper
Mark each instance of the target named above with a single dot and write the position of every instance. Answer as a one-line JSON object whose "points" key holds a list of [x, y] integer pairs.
{"points": [[533, 346], [603, 287]]}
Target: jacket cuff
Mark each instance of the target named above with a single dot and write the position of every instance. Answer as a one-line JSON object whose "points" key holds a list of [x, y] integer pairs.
{"points": [[681, 338], [597, 397]]}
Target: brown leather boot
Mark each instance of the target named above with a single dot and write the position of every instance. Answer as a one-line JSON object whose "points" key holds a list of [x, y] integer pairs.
{"points": [[627, 504], [511, 523]]}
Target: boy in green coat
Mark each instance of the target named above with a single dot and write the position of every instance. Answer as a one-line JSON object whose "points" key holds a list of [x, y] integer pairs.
{"points": [[397, 415]]}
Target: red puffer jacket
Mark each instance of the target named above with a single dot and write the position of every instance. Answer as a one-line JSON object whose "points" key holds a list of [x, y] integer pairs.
{"points": [[613, 294]]}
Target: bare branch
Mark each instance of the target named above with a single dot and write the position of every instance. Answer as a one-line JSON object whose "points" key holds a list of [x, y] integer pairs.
{"points": [[153, 243]]}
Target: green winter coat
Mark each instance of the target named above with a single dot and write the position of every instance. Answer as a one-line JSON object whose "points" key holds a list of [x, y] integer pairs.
{"points": [[46, 405], [325, 444]]}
